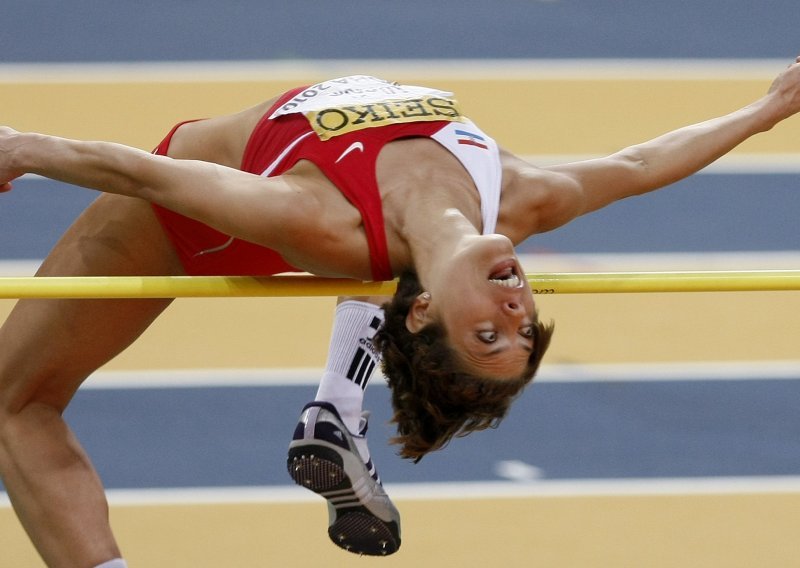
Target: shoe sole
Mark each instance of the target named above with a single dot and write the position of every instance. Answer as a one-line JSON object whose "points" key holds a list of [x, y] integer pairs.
{"points": [[321, 469]]}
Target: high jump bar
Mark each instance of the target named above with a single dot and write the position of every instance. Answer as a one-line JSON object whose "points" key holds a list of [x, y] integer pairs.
{"points": [[310, 286]]}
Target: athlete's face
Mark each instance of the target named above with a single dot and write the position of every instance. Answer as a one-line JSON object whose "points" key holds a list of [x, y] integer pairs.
{"points": [[483, 299]]}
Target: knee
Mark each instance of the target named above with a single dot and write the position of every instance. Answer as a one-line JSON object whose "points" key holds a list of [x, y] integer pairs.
{"points": [[23, 419]]}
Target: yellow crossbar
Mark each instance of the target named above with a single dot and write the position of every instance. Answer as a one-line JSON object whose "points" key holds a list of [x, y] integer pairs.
{"points": [[288, 286]]}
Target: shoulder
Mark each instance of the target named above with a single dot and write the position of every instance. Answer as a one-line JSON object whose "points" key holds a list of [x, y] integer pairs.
{"points": [[535, 200]]}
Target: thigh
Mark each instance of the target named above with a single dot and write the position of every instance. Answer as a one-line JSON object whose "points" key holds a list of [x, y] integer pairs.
{"points": [[221, 139], [48, 347]]}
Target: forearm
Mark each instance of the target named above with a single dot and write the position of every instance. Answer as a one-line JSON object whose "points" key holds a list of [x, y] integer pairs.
{"points": [[118, 169], [673, 156], [244, 205], [680, 153], [103, 166]]}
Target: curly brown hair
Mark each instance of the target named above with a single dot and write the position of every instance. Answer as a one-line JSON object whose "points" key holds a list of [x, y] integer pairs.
{"points": [[433, 400]]}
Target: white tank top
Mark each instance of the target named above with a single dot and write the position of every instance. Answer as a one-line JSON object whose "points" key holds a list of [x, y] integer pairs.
{"points": [[479, 155]]}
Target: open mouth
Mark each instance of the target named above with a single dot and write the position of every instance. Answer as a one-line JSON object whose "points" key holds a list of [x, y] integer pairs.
{"points": [[506, 274]]}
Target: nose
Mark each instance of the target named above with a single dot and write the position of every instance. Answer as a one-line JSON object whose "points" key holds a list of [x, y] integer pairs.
{"points": [[512, 308]]}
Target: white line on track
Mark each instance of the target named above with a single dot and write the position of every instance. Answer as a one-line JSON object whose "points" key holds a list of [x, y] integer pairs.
{"points": [[735, 163], [553, 373], [467, 69], [458, 491]]}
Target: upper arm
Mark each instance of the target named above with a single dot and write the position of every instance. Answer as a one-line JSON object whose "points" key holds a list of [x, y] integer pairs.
{"points": [[555, 195], [246, 206], [582, 187]]}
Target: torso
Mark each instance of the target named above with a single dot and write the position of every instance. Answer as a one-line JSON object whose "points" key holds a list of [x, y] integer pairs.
{"points": [[337, 245], [405, 170], [352, 134]]}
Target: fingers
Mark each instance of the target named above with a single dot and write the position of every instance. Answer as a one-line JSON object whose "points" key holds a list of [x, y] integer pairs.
{"points": [[6, 144]]}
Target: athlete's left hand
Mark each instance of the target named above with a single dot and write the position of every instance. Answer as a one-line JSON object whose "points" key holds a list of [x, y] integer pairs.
{"points": [[7, 174]]}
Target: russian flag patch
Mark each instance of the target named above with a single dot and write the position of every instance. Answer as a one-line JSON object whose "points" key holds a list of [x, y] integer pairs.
{"points": [[470, 139]]}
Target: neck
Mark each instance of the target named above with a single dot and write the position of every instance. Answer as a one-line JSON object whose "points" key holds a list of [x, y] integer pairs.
{"points": [[425, 207], [436, 236]]}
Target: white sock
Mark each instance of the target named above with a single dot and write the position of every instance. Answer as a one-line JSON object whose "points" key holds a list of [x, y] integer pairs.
{"points": [[351, 361], [116, 563]]}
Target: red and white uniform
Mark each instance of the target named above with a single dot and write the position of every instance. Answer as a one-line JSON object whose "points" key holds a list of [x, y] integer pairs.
{"points": [[343, 139]]}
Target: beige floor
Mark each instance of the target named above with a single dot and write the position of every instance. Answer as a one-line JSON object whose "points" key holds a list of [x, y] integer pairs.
{"points": [[677, 531]]}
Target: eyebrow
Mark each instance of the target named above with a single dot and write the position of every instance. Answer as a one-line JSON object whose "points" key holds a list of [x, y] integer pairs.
{"points": [[497, 350]]}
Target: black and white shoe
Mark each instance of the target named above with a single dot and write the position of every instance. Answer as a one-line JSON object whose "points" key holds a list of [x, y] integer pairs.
{"points": [[324, 458]]}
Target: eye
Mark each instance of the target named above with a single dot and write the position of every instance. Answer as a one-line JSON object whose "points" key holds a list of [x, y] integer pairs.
{"points": [[526, 331], [487, 336]]}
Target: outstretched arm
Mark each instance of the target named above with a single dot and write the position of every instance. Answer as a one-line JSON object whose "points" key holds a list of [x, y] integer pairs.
{"points": [[582, 187], [234, 202]]}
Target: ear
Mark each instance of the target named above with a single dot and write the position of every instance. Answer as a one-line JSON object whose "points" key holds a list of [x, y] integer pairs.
{"points": [[418, 317]]}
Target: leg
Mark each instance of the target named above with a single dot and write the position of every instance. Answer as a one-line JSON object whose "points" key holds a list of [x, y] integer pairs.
{"points": [[351, 357], [48, 347], [329, 454], [351, 361]]}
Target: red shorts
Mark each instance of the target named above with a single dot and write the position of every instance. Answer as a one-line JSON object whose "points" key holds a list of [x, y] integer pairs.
{"points": [[204, 251]]}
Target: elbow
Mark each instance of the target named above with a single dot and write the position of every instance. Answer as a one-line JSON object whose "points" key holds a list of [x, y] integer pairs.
{"points": [[633, 160], [638, 171], [139, 178]]}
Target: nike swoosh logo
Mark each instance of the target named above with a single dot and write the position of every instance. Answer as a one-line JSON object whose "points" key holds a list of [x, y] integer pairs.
{"points": [[351, 148]]}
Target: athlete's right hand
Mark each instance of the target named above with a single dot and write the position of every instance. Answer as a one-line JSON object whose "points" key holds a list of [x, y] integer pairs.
{"points": [[785, 91], [7, 172]]}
